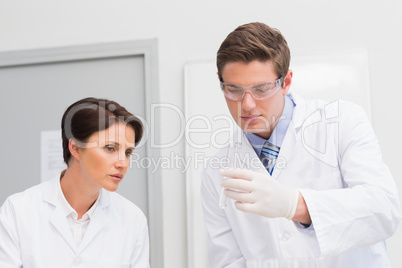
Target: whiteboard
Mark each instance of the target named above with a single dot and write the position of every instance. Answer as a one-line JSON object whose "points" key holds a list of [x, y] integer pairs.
{"points": [[333, 75], [329, 76], [204, 102]]}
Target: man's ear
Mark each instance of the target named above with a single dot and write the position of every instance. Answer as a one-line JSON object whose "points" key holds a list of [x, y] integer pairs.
{"points": [[74, 149], [287, 81]]}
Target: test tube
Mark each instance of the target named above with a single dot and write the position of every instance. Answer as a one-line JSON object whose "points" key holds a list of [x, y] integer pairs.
{"points": [[232, 151], [223, 199]]}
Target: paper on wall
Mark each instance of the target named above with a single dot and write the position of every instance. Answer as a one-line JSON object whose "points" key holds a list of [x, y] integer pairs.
{"points": [[51, 154]]}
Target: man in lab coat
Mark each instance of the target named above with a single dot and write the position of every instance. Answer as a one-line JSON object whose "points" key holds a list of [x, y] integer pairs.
{"points": [[312, 188]]}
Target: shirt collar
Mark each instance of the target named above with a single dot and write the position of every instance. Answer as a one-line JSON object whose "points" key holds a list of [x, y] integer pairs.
{"points": [[68, 210], [278, 134]]}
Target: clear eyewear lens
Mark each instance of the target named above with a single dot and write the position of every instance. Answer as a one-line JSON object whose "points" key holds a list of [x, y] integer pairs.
{"points": [[259, 92]]}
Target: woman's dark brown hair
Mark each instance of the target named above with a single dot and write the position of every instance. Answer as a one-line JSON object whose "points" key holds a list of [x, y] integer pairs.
{"points": [[90, 115]]}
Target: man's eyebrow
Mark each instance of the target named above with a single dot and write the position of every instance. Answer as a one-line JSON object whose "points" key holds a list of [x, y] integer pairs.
{"points": [[233, 85], [261, 84]]}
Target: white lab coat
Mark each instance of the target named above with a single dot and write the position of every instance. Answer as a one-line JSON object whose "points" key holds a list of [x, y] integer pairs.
{"points": [[34, 232], [331, 154]]}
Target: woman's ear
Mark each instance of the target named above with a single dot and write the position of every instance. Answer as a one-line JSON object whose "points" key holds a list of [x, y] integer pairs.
{"points": [[74, 149]]}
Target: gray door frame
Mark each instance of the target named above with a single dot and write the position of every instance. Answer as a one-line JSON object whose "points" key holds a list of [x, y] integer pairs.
{"points": [[149, 50]]}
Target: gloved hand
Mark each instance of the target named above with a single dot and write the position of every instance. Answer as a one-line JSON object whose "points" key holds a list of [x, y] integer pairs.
{"points": [[259, 194]]}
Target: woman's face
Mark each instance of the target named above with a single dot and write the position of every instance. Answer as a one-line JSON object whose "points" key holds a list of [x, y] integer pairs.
{"points": [[106, 158]]}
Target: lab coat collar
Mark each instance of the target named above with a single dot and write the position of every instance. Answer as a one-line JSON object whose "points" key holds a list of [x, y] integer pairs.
{"points": [[299, 110], [59, 221], [58, 217], [51, 194]]}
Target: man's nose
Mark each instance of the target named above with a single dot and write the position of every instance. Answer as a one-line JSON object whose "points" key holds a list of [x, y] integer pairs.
{"points": [[248, 102]]}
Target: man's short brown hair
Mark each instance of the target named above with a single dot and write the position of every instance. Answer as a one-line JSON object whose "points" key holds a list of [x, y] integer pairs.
{"points": [[254, 41]]}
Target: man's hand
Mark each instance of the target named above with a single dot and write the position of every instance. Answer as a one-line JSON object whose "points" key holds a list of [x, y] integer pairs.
{"points": [[259, 194]]}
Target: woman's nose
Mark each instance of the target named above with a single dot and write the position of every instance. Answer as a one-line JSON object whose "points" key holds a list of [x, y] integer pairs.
{"points": [[122, 162]]}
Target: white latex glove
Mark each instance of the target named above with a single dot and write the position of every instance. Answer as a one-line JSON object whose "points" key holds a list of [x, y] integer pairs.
{"points": [[259, 194]]}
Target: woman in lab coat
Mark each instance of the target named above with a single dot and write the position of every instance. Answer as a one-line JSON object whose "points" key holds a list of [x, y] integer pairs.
{"points": [[76, 219]]}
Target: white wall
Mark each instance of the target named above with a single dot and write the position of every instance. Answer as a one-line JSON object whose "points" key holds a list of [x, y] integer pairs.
{"points": [[189, 30]]}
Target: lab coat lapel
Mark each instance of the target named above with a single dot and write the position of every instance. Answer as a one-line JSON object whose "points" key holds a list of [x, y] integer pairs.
{"points": [[249, 159], [57, 217], [59, 222], [246, 156], [288, 145], [98, 220], [292, 137]]}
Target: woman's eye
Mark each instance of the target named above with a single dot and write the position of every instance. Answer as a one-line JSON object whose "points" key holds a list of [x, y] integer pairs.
{"points": [[129, 152], [110, 148]]}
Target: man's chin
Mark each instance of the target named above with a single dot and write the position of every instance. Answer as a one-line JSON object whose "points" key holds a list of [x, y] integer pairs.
{"points": [[262, 132], [255, 130]]}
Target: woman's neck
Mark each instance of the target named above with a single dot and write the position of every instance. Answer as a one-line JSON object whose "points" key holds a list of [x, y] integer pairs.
{"points": [[79, 192]]}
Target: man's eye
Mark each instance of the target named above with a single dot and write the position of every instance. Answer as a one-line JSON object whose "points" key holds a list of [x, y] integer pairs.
{"points": [[233, 90], [261, 90]]}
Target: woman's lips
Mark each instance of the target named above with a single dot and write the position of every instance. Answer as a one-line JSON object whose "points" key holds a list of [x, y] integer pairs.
{"points": [[117, 177]]}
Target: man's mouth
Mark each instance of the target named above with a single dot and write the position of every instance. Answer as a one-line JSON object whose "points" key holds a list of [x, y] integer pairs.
{"points": [[249, 117]]}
